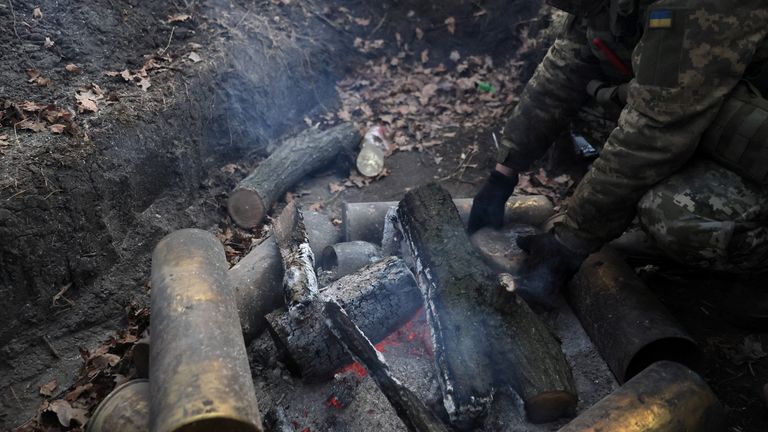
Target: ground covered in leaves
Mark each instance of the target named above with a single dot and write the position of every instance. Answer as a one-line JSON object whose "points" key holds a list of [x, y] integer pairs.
{"points": [[123, 120]]}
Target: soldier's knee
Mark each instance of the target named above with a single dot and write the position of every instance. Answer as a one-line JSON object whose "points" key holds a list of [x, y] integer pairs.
{"points": [[707, 216]]}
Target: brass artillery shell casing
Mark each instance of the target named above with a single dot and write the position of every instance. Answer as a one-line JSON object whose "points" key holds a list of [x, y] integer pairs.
{"points": [[125, 409], [665, 397], [628, 324], [199, 375]]}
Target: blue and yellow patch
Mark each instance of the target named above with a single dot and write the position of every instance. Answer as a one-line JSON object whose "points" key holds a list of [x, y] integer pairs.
{"points": [[660, 19]]}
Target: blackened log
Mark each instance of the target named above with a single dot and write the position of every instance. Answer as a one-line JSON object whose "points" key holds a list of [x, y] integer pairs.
{"points": [[484, 335], [293, 160], [380, 298], [258, 277], [299, 279], [412, 411], [345, 258]]}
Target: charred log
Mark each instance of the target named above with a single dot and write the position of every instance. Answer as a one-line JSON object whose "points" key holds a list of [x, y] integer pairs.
{"points": [[299, 279], [416, 416], [294, 159], [484, 335], [379, 298]]}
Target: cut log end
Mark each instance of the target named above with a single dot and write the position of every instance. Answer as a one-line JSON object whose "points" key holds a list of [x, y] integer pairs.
{"points": [[550, 406], [246, 208]]}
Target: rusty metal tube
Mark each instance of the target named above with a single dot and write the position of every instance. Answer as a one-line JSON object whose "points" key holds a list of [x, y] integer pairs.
{"points": [[346, 258], [258, 278], [365, 221], [629, 326], [199, 375], [665, 397], [125, 409]]}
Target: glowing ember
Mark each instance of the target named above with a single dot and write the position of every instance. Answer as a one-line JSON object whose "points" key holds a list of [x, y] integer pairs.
{"points": [[334, 402], [414, 335]]}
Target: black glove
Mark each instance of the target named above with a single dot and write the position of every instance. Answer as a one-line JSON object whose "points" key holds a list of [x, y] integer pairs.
{"points": [[488, 206], [547, 269]]}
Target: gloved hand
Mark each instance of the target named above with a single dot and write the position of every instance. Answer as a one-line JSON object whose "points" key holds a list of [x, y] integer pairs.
{"points": [[488, 206], [547, 269]]}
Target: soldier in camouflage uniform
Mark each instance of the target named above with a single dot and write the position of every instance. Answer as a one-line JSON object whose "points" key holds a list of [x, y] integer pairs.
{"points": [[680, 66]]}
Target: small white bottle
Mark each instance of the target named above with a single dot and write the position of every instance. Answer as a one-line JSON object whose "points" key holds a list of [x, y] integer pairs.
{"points": [[373, 149]]}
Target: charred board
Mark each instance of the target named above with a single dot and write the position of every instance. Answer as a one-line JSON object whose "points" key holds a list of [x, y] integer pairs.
{"points": [[294, 159], [484, 335], [416, 416], [299, 279], [379, 298]]}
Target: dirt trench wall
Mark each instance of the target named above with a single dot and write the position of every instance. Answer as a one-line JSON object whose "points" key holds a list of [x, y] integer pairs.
{"points": [[85, 215]]}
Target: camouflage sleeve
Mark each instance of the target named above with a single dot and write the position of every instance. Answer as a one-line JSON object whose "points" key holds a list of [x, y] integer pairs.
{"points": [[691, 56], [551, 98]]}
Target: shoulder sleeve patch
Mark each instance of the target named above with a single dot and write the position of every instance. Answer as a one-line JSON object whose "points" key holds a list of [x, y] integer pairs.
{"points": [[660, 19]]}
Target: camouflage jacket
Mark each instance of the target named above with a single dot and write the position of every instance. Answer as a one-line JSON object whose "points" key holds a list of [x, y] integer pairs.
{"points": [[681, 59]]}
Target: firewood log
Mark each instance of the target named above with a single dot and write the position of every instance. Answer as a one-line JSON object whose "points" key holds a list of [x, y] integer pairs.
{"points": [[293, 160], [485, 336]]}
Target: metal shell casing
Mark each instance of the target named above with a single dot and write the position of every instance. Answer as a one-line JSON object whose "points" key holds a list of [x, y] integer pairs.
{"points": [[665, 397], [629, 326], [200, 377], [125, 409]]}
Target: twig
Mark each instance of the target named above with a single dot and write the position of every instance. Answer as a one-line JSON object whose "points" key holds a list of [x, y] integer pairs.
{"points": [[51, 347], [16, 194], [10, 2], [245, 15], [170, 38], [60, 295], [15, 396], [378, 26]]}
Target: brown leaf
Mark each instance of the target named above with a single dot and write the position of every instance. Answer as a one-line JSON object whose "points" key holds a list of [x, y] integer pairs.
{"points": [[72, 68], [316, 207], [33, 125], [365, 22], [57, 128], [85, 104], [31, 106], [419, 33], [335, 187], [425, 56], [194, 57], [336, 221], [37, 13], [32, 74], [144, 84], [79, 390], [66, 413], [450, 22], [104, 360], [47, 389], [178, 18], [427, 92]]}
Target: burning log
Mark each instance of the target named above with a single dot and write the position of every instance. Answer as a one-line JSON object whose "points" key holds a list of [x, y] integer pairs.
{"points": [[295, 158], [346, 258], [258, 277], [484, 334], [199, 370], [665, 397], [629, 326], [300, 286], [416, 416], [365, 221], [380, 298], [125, 409]]}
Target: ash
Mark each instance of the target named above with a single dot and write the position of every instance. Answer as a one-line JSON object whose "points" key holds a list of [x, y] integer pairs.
{"points": [[351, 401]]}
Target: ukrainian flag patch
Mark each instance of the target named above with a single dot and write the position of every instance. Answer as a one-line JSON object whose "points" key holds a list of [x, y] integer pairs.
{"points": [[660, 19]]}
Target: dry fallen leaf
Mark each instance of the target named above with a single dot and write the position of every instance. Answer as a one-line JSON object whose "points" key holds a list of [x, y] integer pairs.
{"points": [[57, 128], [65, 413], [29, 124], [316, 207], [178, 18], [335, 187], [48, 389], [450, 22], [425, 56], [37, 13], [72, 68], [79, 390], [144, 84], [194, 57], [48, 43], [363, 21], [419, 33], [336, 221]]}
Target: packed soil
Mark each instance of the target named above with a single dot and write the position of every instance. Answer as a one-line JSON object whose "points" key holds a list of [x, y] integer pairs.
{"points": [[122, 121]]}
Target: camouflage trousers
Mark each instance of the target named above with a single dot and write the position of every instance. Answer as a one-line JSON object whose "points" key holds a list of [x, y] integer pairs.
{"points": [[709, 217]]}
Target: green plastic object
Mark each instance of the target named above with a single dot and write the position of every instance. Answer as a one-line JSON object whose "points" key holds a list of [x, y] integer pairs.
{"points": [[485, 87]]}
